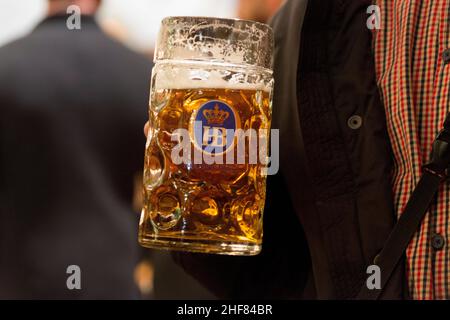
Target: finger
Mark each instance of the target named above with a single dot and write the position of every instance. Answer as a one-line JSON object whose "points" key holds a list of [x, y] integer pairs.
{"points": [[146, 128]]}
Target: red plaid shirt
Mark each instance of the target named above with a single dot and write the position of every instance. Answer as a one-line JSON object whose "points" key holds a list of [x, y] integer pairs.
{"points": [[413, 75]]}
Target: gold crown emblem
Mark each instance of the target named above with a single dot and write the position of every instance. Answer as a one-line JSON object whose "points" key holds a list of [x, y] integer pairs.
{"points": [[216, 116]]}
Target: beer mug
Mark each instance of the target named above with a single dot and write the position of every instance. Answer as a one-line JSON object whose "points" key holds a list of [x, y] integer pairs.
{"points": [[211, 92]]}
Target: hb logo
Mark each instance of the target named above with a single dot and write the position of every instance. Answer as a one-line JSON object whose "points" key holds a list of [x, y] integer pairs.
{"points": [[213, 127]]}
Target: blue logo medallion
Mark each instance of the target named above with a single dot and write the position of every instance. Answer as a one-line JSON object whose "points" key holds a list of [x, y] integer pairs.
{"points": [[213, 128]]}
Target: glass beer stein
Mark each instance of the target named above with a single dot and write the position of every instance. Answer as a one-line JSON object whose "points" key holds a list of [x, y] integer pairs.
{"points": [[210, 93]]}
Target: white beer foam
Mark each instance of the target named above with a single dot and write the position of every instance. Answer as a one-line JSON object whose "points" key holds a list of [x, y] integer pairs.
{"points": [[203, 80]]}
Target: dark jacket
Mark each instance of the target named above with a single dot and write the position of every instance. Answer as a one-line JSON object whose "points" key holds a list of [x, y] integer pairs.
{"points": [[329, 210], [72, 107]]}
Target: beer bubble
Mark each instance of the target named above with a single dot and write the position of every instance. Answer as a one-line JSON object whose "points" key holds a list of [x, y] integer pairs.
{"points": [[168, 212], [259, 121], [169, 120], [248, 214], [259, 99], [159, 99], [153, 169], [206, 210]]}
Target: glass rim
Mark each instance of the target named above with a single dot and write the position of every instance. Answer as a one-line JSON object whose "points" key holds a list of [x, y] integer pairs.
{"points": [[227, 40], [257, 23]]}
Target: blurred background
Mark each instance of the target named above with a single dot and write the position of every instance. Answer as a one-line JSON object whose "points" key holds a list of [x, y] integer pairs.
{"points": [[34, 55], [134, 22]]}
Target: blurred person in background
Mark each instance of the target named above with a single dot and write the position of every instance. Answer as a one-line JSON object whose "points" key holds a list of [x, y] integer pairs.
{"points": [[72, 103], [258, 10]]}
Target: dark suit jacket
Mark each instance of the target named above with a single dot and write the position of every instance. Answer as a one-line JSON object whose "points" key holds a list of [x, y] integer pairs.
{"points": [[72, 107], [329, 210]]}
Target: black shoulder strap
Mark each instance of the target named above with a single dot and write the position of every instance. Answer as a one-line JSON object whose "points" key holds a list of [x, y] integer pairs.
{"points": [[433, 173]]}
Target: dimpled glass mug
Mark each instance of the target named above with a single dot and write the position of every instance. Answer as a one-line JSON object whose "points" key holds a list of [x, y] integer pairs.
{"points": [[212, 79]]}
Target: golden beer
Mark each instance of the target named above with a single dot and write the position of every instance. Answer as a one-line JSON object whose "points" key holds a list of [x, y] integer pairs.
{"points": [[202, 205]]}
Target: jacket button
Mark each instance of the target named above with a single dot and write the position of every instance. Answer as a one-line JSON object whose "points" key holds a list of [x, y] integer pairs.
{"points": [[376, 259], [437, 241], [354, 122], [446, 56]]}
